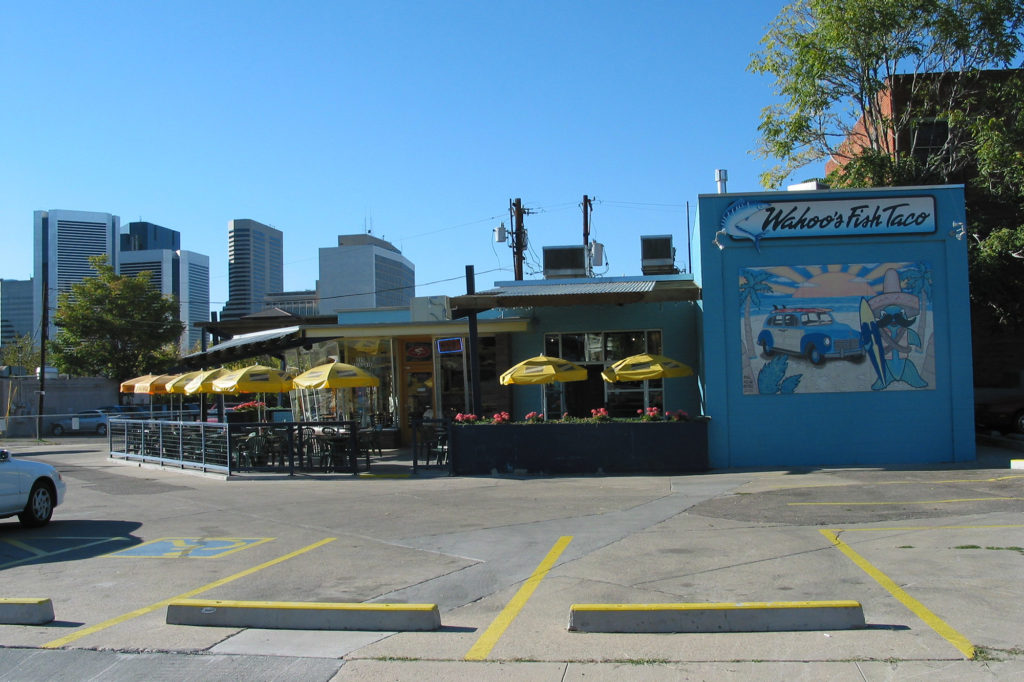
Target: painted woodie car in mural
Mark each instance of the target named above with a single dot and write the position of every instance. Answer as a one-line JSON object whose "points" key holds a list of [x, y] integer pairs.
{"points": [[810, 332]]}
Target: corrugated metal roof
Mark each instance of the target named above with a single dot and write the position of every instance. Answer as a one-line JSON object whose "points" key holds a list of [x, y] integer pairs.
{"points": [[574, 288]]}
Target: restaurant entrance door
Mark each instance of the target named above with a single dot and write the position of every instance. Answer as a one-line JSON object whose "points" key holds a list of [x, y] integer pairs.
{"points": [[417, 381]]}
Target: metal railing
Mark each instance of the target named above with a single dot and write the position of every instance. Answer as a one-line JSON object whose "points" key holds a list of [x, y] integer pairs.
{"points": [[221, 448], [189, 445]]}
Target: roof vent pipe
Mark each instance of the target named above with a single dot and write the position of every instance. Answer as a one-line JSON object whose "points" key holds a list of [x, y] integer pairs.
{"points": [[721, 176]]}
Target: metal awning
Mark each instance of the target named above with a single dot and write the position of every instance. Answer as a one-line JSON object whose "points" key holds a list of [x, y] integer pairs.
{"points": [[531, 294], [268, 342]]}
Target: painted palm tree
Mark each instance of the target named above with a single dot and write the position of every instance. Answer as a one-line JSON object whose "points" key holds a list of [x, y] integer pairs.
{"points": [[918, 279], [753, 284]]}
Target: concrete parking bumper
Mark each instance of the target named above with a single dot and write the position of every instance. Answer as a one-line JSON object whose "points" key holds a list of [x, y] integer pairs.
{"points": [[778, 616], [26, 611], [304, 615]]}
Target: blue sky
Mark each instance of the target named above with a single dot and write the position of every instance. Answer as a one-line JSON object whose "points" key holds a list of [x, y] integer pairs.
{"points": [[417, 120]]}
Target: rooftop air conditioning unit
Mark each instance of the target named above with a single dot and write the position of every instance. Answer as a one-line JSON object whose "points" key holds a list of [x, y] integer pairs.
{"points": [[565, 261], [430, 309], [657, 255]]}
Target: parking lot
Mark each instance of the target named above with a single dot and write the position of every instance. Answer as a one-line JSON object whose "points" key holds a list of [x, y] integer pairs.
{"points": [[934, 555]]}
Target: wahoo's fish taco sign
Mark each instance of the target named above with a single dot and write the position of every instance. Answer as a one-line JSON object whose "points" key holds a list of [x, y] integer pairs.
{"points": [[757, 220]]}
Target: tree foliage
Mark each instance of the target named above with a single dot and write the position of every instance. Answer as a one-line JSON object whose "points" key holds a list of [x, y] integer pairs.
{"points": [[21, 352], [115, 326], [837, 64], [832, 59]]}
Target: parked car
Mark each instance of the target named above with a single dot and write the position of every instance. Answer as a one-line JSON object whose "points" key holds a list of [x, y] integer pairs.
{"points": [[89, 421], [811, 332], [30, 490], [120, 409], [1001, 412]]}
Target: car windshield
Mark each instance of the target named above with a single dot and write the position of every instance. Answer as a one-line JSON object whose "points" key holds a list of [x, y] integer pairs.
{"points": [[816, 318]]}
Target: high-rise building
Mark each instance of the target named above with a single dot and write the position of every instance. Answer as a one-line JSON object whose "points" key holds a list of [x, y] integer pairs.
{"points": [[15, 309], [64, 241], [142, 236], [184, 274], [255, 266], [363, 271]]}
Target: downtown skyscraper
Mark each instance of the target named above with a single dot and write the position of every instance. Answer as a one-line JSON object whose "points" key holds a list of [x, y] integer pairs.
{"points": [[255, 266], [63, 243]]}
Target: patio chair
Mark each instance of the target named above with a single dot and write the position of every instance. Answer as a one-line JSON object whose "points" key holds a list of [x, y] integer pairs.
{"points": [[252, 451], [438, 448], [369, 438]]}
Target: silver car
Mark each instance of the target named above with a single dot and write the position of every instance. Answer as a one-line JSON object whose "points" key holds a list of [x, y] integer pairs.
{"points": [[89, 421], [29, 490]]}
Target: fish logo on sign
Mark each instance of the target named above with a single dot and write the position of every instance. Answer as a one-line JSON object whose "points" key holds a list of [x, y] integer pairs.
{"points": [[741, 221]]}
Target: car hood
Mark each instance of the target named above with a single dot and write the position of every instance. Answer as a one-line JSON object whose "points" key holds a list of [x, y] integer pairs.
{"points": [[31, 467]]}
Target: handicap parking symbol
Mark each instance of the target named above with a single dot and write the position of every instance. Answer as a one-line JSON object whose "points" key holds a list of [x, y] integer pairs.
{"points": [[189, 548]]}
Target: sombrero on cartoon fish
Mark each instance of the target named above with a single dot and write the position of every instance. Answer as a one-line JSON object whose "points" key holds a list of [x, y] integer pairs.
{"points": [[892, 294]]}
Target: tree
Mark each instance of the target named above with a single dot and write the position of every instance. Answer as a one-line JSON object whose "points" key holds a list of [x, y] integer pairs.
{"points": [[834, 60], [22, 352], [910, 92], [115, 326]]}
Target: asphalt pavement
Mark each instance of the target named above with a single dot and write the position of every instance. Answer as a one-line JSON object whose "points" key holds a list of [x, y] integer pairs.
{"points": [[934, 554]]}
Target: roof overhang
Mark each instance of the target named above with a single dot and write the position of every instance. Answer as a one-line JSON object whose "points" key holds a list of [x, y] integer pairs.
{"points": [[276, 341], [541, 293], [267, 342], [452, 327]]}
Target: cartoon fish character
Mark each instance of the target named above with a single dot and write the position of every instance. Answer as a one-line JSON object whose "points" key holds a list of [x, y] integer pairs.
{"points": [[739, 221], [893, 312]]}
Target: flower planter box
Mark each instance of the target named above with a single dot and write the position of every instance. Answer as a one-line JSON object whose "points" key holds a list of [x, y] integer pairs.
{"points": [[578, 448]]}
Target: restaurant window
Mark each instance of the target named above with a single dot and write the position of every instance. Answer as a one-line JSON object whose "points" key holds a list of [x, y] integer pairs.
{"points": [[375, 356], [595, 351]]}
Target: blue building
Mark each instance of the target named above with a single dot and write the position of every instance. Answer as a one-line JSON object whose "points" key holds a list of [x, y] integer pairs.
{"points": [[836, 327]]}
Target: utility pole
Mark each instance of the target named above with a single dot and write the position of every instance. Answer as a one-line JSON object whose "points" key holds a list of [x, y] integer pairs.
{"points": [[476, 399], [515, 209], [45, 327], [588, 206]]}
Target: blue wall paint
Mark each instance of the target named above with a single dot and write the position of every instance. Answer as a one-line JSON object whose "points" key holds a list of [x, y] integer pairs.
{"points": [[680, 341], [870, 427]]}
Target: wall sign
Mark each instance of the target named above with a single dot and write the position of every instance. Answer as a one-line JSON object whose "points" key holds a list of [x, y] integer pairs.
{"points": [[450, 345], [417, 350], [757, 220]]}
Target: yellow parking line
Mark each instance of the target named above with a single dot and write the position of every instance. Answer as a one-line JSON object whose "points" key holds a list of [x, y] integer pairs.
{"points": [[916, 481], [901, 528], [934, 622], [492, 634], [57, 643], [25, 548], [36, 556], [876, 504]]}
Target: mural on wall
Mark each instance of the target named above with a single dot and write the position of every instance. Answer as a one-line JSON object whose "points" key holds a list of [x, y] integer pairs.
{"points": [[837, 328]]}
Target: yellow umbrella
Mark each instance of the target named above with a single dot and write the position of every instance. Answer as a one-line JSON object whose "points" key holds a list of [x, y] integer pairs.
{"points": [[543, 370], [177, 385], [203, 383], [335, 375], [154, 385], [646, 366], [128, 386], [253, 379]]}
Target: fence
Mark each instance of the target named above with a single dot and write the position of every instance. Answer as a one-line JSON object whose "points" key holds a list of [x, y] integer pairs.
{"points": [[189, 445], [221, 448]]}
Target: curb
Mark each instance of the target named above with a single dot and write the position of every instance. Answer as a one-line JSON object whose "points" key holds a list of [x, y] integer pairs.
{"points": [[721, 617], [29, 611], [283, 615]]}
